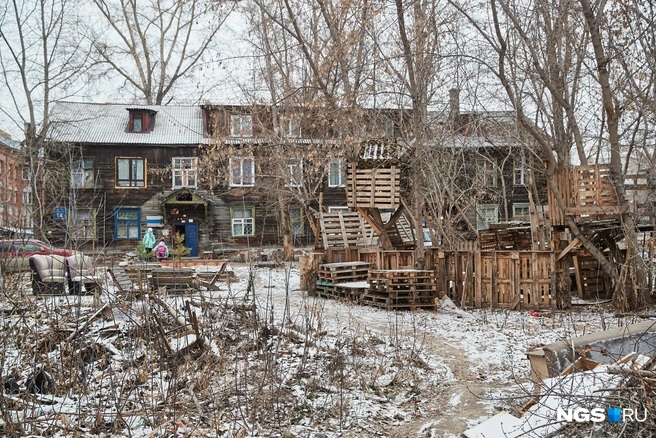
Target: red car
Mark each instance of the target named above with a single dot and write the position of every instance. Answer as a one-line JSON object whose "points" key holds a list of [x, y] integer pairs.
{"points": [[15, 253]]}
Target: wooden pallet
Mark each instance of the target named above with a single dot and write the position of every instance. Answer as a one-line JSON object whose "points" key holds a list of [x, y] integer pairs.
{"points": [[332, 273], [345, 229], [391, 304], [175, 280], [374, 188], [351, 292], [401, 290]]}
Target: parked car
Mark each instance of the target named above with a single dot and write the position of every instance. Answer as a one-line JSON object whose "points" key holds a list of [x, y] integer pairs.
{"points": [[15, 253]]}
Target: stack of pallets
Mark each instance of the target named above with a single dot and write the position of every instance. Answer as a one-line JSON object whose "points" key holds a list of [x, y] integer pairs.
{"points": [[347, 281], [401, 290]]}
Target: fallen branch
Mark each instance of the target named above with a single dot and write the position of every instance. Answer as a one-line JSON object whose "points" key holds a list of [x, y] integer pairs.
{"points": [[86, 323], [179, 319], [630, 372]]}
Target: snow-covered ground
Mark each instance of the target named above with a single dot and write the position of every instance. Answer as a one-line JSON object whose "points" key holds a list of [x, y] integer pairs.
{"points": [[296, 366]]}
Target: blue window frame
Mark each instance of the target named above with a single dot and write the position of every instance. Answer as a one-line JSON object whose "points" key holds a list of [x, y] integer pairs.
{"points": [[127, 223]]}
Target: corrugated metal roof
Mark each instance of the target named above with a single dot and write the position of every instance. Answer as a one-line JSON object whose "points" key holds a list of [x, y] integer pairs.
{"points": [[76, 122]]}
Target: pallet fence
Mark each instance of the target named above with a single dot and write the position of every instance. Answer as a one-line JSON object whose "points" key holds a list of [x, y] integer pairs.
{"points": [[501, 279]]}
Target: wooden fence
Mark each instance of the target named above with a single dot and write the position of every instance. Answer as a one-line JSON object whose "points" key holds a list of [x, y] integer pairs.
{"points": [[503, 279]]}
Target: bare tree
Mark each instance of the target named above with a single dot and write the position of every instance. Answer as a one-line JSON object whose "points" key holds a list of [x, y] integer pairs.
{"points": [[153, 46], [42, 60], [554, 61]]}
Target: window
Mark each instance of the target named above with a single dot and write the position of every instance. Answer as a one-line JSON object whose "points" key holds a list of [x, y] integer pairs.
{"points": [[521, 211], [241, 125], [26, 173], [242, 171], [291, 127], [243, 222], [127, 224], [335, 178], [27, 196], [294, 174], [184, 172], [519, 173], [82, 174], [130, 172], [296, 220], [137, 123], [486, 173], [486, 214], [83, 224]]}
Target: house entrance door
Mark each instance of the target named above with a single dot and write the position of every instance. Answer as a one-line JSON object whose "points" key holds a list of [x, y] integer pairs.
{"points": [[190, 231]]}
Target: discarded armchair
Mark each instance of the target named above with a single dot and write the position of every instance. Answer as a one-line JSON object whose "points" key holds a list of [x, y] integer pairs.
{"points": [[48, 274], [81, 272]]}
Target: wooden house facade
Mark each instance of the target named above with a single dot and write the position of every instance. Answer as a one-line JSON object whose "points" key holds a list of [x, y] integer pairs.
{"points": [[221, 175]]}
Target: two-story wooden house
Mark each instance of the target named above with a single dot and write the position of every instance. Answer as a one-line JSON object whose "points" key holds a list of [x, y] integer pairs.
{"points": [[131, 167], [484, 171], [221, 175]]}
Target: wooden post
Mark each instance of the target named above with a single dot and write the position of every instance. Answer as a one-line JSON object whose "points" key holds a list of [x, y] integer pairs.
{"points": [[477, 279], [515, 285], [494, 298], [534, 266]]}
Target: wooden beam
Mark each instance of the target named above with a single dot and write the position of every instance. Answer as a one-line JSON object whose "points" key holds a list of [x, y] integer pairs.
{"points": [[569, 247], [363, 212], [395, 217]]}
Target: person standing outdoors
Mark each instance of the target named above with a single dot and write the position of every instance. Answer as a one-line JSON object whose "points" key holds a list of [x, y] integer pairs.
{"points": [[149, 242], [161, 250]]}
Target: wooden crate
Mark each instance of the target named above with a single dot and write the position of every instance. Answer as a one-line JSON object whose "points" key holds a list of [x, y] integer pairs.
{"points": [[401, 290]]}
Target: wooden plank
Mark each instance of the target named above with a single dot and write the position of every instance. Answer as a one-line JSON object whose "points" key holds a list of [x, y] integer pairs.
{"points": [[569, 247], [577, 273], [534, 272]]}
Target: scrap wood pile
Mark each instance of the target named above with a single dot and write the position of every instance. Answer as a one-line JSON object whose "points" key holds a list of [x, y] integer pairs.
{"points": [[208, 365], [624, 387]]}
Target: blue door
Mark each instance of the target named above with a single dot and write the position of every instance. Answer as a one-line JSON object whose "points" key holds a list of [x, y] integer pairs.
{"points": [[191, 238]]}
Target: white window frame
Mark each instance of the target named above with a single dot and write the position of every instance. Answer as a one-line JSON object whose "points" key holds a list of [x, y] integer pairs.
{"points": [[298, 221], [237, 176], [519, 173], [27, 196], [291, 126], [183, 173], [241, 125], [242, 222], [484, 220], [83, 223], [486, 173], [82, 173], [339, 163], [294, 172], [524, 206]]}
